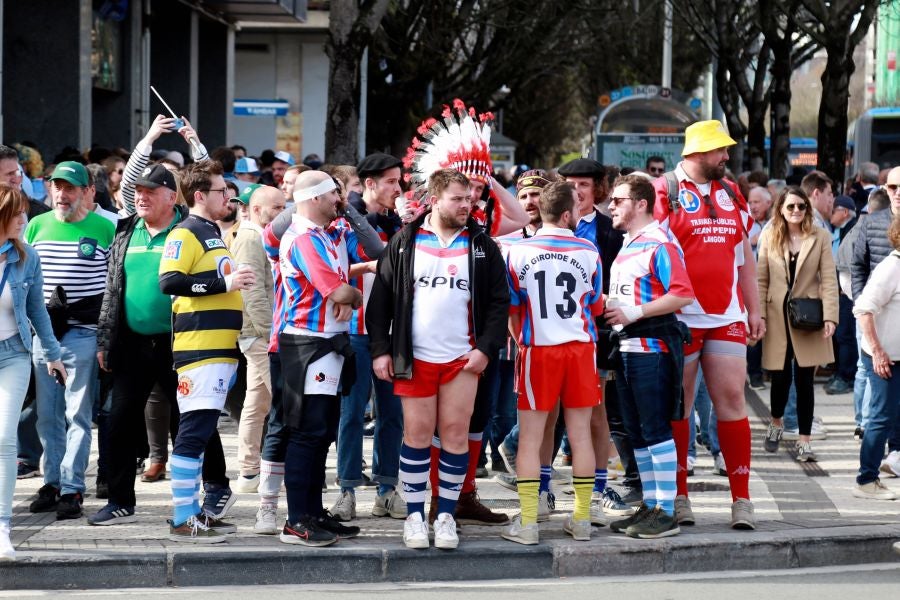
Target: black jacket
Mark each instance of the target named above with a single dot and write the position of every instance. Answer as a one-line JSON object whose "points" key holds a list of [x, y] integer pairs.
{"points": [[389, 311], [113, 307], [870, 248]]}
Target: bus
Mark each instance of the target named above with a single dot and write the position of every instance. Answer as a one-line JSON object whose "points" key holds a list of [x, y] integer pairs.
{"points": [[875, 137]]}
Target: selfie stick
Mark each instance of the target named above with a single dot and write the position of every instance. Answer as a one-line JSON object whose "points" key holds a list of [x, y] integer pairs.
{"points": [[192, 140]]}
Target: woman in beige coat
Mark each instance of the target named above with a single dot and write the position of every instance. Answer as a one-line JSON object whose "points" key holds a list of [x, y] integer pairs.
{"points": [[795, 261]]}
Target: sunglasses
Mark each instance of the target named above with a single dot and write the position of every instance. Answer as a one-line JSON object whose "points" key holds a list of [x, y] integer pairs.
{"points": [[712, 208], [795, 207], [656, 170], [891, 187]]}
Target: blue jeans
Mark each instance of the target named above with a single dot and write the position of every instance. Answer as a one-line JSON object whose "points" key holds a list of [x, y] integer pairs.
{"points": [[275, 441], [883, 411], [388, 424], [645, 386], [15, 370], [64, 413], [30, 449], [862, 395], [502, 374], [846, 353], [709, 423]]}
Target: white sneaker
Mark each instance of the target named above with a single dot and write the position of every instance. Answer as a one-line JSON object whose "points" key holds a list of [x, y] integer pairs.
{"points": [[874, 490], [598, 517], [344, 508], [445, 532], [521, 534], [719, 467], [7, 552], [691, 463], [391, 505], [266, 520], [247, 485], [546, 504], [579, 530], [415, 531], [891, 464]]}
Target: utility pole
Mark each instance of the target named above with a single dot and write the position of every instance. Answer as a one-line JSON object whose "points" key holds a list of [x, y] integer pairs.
{"points": [[667, 47]]}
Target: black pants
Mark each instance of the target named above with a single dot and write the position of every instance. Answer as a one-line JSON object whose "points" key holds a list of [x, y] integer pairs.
{"points": [[802, 378], [149, 361], [632, 479], [307, 449]]}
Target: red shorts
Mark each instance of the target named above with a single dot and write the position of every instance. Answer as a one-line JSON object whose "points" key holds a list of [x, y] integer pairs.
{"points": [[428, 377], [729, 340], [566, 372]]}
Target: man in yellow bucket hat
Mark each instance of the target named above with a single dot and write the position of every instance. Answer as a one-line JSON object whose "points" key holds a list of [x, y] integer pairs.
{"points": [[710, 219]]}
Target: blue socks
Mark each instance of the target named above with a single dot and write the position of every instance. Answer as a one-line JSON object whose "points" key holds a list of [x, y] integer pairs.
{"points": [[546, 473], [451, 474], [599, 480], [185, 487], [414, 466]]}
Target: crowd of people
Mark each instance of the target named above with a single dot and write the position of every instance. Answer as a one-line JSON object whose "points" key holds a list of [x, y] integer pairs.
{"points": [[600, 313]]}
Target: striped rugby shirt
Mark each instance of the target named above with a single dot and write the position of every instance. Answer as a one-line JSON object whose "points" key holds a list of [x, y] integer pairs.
{"points": [[555, 286], [205, 326], [73, 255]]}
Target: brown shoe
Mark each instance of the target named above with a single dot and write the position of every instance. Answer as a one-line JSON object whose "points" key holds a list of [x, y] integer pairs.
{"points": [[154, 472], [470, 510]]}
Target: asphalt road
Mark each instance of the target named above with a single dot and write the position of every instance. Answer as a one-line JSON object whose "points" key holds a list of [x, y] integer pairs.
{"points": [[872, 582]]}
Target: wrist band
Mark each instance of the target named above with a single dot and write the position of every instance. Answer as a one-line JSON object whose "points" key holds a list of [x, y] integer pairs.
{"points": [[317, 190]]}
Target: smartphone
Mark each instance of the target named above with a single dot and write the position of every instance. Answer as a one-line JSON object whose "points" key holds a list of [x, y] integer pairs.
{"points": [[58, 376], [177, 124]]}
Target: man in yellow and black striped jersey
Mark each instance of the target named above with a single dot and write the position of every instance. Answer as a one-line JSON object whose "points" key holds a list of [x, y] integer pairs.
{"points": [[198, 271]]}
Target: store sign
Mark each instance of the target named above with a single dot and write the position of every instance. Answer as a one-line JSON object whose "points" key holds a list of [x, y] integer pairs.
{"points": [[633, 150], [261, 108]]}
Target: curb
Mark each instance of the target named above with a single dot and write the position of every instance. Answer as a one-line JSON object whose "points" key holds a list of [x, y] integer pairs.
{"points": [[477, 560]]}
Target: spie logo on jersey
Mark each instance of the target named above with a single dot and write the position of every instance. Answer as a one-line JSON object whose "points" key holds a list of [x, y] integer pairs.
{"points": [[689, 201], [172, 250]]}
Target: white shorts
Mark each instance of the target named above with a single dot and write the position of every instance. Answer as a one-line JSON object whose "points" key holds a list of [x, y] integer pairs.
{"points": [[205, 387]]}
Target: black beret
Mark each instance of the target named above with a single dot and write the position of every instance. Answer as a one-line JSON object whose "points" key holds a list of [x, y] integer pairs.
{"points": [[582, 167], [375, 164]]}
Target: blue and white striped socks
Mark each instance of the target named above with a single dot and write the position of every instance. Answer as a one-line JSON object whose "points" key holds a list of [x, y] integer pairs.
{"points": [[665, 467], [648, 480], [451, 475], [185, 487], [414, 466], [546, 474], [599, 480]]}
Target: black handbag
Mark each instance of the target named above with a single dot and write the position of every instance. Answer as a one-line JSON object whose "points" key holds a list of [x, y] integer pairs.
{"points": [[806, 314]]}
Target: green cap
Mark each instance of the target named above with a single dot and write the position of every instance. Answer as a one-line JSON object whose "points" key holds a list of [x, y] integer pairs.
{"points": [[247, 192], [71, 171]]}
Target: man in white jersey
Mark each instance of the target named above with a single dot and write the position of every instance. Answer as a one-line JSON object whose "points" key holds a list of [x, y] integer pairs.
{"points": [[556, 290], [433, 338], [648, 284]]}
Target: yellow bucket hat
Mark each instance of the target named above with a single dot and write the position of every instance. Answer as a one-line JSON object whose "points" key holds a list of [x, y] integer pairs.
{"points": [[704, 136]]}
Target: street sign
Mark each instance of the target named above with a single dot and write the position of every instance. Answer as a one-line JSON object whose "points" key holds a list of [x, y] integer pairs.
{"points": [[261, 108]]}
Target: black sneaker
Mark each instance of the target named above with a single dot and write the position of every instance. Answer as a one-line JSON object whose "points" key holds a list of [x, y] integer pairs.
{"points": [[307, 533], [622, 524], [839, 385], [47, 499], [657, 524], [69, 506], [113, 514], [329, 523], [26, 471], [217, 500]]}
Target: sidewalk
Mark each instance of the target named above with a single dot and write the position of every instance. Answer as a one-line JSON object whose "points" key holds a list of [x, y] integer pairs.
{"points": [[805, 512]]}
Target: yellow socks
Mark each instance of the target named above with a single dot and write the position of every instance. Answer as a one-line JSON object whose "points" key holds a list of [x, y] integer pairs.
{"points": [[528, 499], [583, 488]]}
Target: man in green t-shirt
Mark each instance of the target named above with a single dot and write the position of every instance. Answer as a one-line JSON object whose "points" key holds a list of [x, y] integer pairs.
{"points": [[73, 244]]}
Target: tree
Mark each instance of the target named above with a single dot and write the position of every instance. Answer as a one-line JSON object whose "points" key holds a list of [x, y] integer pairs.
{"points": [[839, 26], [351, 26]]}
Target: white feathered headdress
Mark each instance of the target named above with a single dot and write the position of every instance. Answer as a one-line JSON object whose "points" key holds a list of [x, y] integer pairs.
{"points": [[459, 140]]}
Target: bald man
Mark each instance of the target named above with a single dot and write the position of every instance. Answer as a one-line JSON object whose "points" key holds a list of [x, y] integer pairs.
{"points": [[266, 203]]}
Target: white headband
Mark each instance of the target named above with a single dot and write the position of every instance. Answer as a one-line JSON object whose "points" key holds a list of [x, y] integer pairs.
{"points": [[317, 190]]}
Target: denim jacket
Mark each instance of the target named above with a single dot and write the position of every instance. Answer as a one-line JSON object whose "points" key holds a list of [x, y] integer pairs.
{"points": [[26, 283]]}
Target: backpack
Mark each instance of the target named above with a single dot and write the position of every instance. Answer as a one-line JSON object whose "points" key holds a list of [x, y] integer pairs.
{"points": [[672, 188]]}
